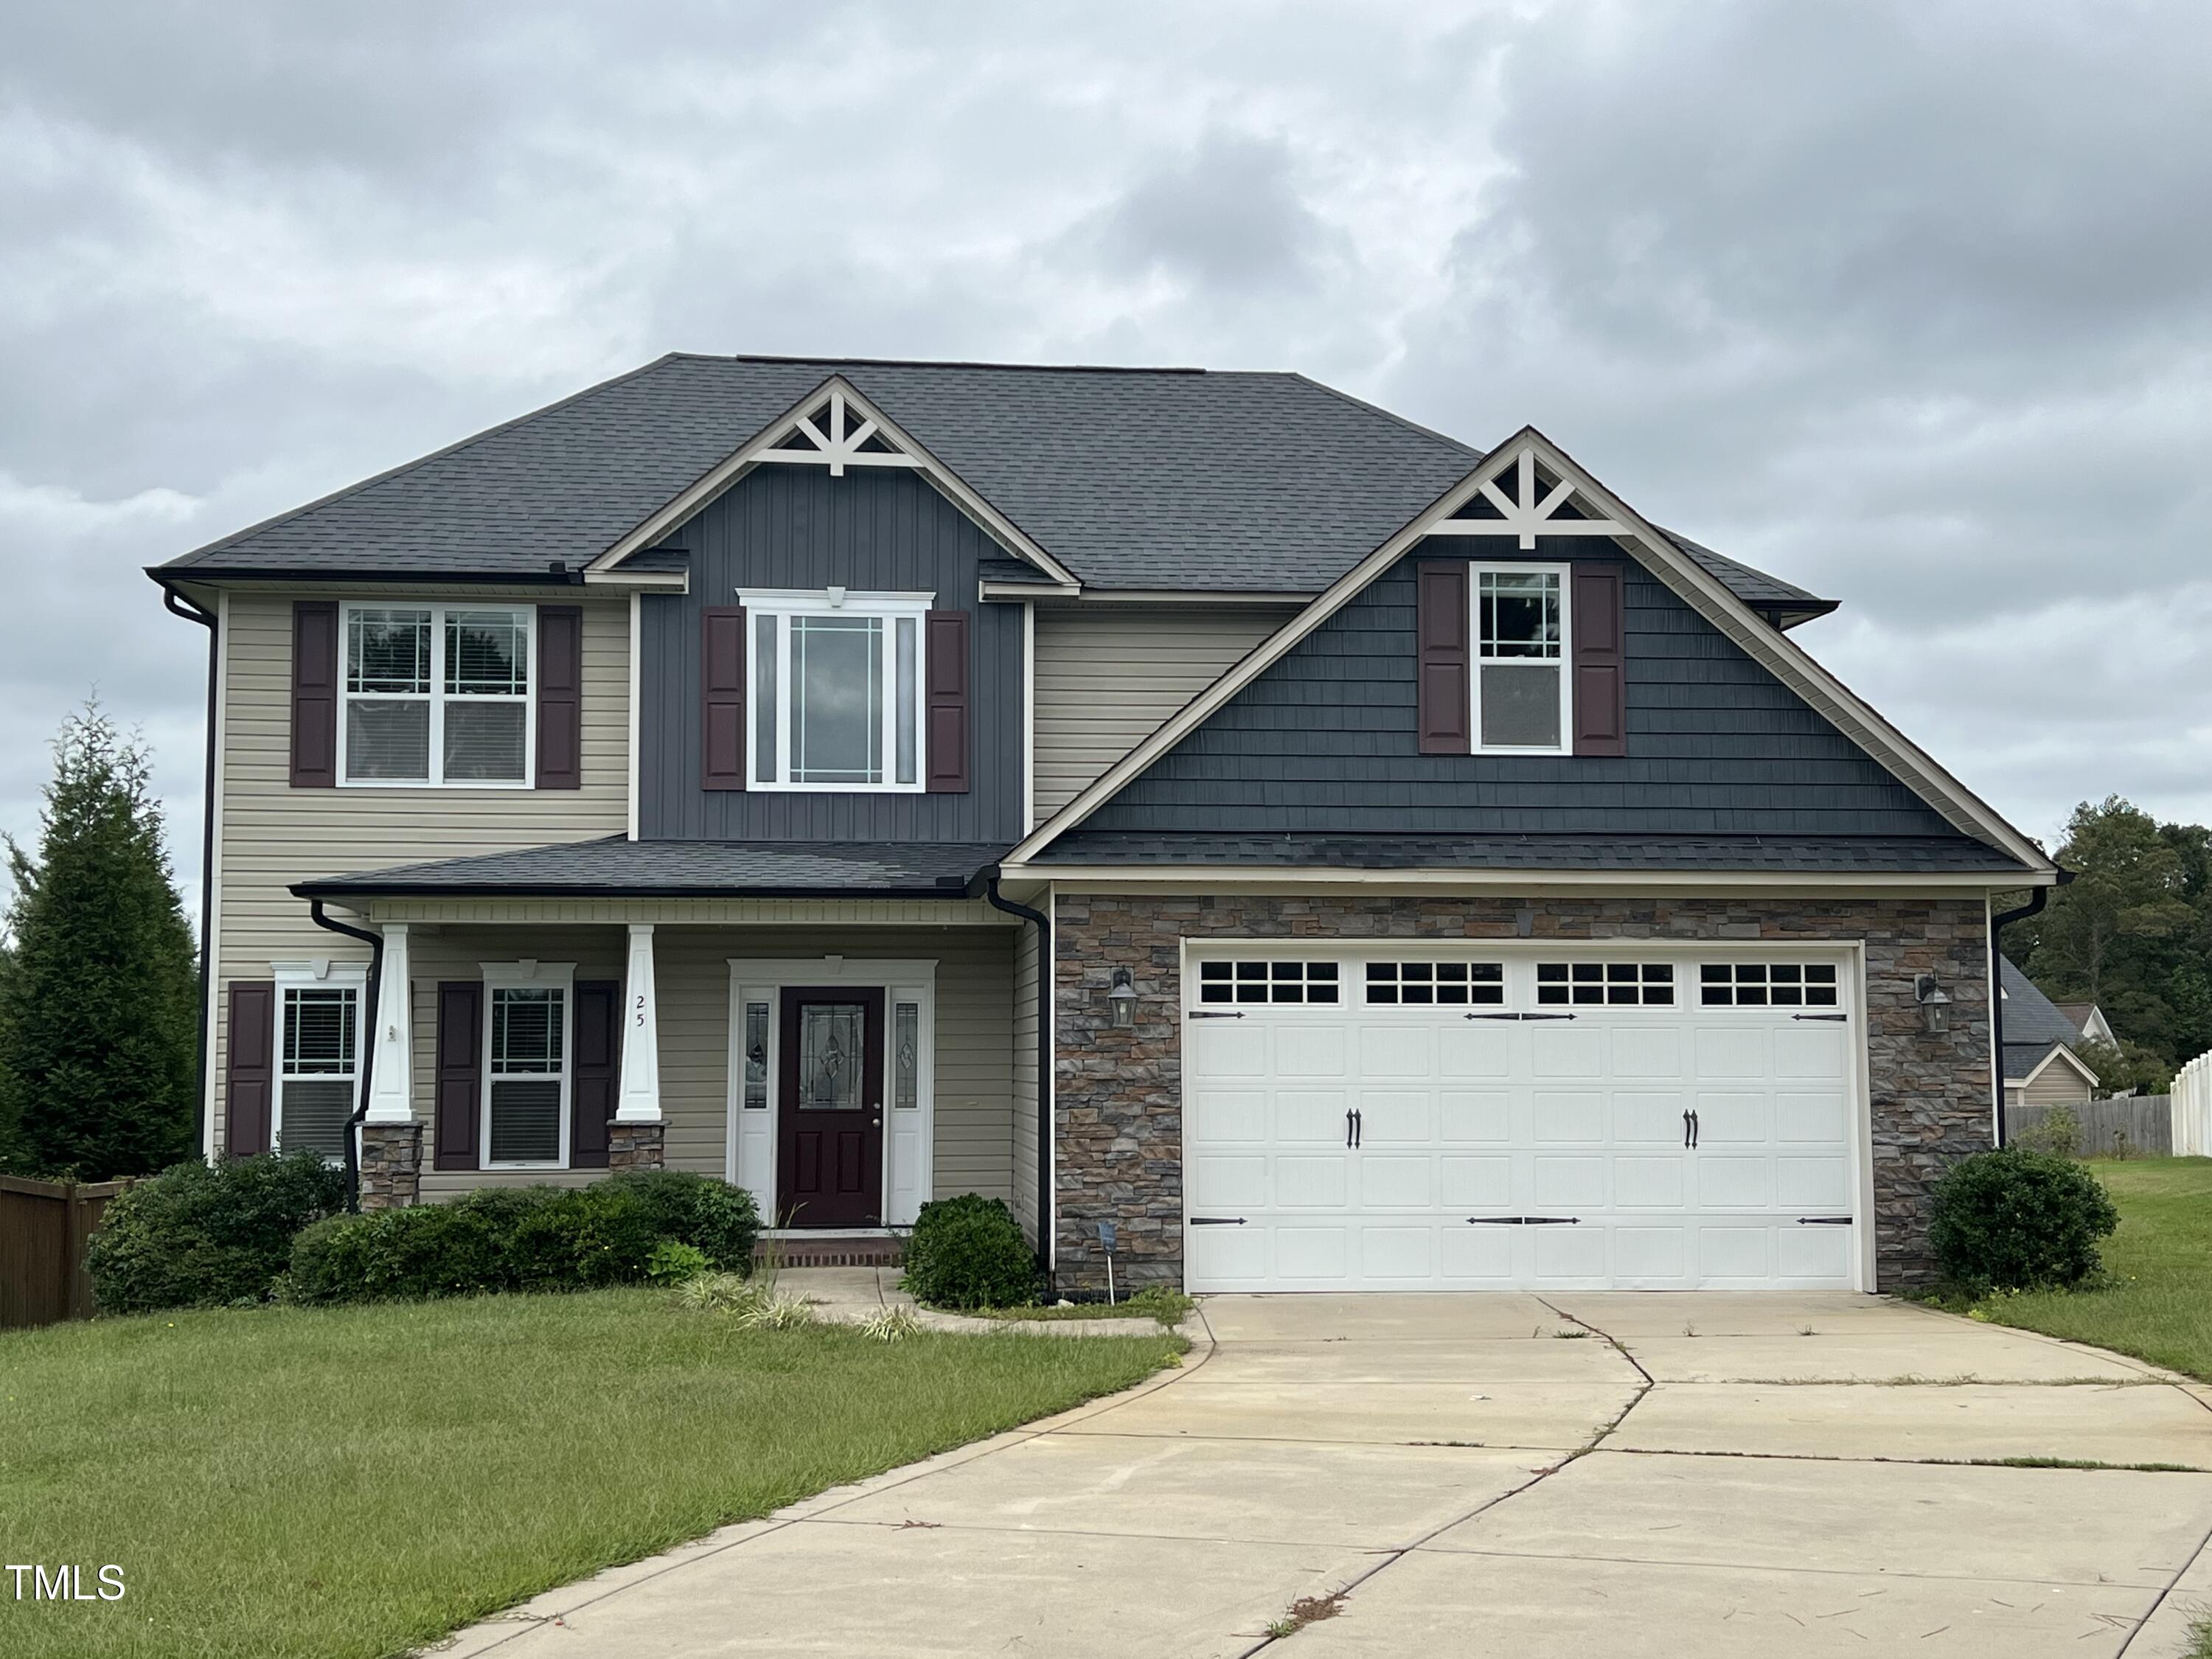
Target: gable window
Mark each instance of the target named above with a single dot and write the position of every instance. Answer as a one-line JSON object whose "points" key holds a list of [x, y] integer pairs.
{"points": [[1521, 683], [318, 1057], [527, 1068], [436, 695], [836, 690]]}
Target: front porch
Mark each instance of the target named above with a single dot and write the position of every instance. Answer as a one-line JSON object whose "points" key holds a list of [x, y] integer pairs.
{"points": [[844, 1060]]}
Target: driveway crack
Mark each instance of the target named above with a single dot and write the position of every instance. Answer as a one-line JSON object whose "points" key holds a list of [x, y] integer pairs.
{"points": [[1390, 1558]]}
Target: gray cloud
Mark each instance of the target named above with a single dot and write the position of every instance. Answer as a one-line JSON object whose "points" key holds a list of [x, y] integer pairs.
{"points": [[1907, 302]]}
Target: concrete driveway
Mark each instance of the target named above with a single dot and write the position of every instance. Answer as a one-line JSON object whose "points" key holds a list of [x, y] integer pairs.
{"points": [[1574, 1474]]}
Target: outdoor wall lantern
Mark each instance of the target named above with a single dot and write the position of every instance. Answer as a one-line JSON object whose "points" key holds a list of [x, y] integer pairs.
{"points": [[1935, 1006], [1123, 998]]}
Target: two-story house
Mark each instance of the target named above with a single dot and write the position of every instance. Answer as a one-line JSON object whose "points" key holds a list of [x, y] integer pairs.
{"points": [[1247, 831]]}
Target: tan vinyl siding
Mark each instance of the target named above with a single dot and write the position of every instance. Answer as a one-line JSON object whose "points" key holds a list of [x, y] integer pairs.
{"points": [[272, 835], [2058, 1085], [975, 1087], [1108, 675]]}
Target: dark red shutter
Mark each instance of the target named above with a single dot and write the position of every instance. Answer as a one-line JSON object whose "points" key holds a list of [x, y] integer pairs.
{"points": [[598, 1063], [1600, 666], [250, 1088], [722, 696], [460, 1072], [314, 694], [1443, 690], [945, 707], [560, 697]]}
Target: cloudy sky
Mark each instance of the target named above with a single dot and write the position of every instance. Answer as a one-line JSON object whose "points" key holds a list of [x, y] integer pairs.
{"points": [[1907, 302]]}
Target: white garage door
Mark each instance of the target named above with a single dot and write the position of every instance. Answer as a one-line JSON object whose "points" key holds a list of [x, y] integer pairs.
{"points": [[1424, 1119]]}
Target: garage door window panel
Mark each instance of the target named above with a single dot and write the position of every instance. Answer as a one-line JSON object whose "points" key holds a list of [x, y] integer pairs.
{"points": [[1767, 984], [1267, 982], [1605, 984], [1426, 984]]}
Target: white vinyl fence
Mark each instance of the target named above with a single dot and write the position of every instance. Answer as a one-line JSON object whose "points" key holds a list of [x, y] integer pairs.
{"points": [[2192, 1109]]}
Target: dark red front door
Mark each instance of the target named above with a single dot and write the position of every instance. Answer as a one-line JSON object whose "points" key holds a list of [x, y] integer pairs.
{"points": [[829, 1152]]}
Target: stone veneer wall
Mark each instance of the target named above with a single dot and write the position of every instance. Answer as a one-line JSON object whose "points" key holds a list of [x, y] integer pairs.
{"points": [[1118, 1093]]}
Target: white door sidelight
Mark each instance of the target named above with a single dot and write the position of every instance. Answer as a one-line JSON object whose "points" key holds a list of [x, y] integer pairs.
{"points": [[1521, 1117]]}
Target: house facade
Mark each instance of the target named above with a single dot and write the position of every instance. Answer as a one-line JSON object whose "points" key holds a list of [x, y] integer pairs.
{"points": [[2040, 1066], [1266, 842]]}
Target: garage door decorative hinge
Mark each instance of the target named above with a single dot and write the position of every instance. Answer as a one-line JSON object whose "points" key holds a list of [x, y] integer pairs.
{"points": [[1217, 1221], [1824, 1221], [1511, 1016], [1216, 1013], [1839, 1018], [1524, 1221]]}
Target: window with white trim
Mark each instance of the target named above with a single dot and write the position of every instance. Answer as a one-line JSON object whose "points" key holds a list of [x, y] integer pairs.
{"points": [[1266, 982], [1767, 984], [836, 690], [318, 1065], [1649, 984], [436, 694], [1404, 983], [526, 1072], [1522, 687]]}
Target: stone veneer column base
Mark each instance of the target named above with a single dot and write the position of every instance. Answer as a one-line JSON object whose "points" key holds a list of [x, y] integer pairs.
{"points": [[634, 1146], [391, 1165]]}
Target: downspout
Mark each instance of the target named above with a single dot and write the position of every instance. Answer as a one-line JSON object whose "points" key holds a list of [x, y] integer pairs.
{"points": [[180, 606], [1044, 978], [368, 1037], [1998, 923]]}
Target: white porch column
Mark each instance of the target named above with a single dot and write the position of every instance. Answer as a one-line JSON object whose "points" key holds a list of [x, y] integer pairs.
{"points": [[639, 1101], [392, 1045]]}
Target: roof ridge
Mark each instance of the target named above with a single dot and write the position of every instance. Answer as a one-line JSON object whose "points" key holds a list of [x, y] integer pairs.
{"points": [[405, 467], [952, 362]]}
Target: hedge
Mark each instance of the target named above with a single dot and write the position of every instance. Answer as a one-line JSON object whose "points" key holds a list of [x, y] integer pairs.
{"points": [[969, 1252], [204, 1235]]}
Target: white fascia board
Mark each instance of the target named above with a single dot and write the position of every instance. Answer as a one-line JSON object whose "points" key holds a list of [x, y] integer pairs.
{"points": [[2057, 1051], [671, 581], [1288, 877], [1020, 592], [720, 478], [1704, 592]]}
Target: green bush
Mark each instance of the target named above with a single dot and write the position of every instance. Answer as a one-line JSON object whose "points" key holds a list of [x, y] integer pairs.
{"points": [[675, 1262], [2059, 1132], [201, 1235], [969, 1252], [2019, 1220], [533, 1238]]}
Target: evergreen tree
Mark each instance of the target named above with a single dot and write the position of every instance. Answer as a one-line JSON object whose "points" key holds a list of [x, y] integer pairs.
{"points": [[99, 1000]]}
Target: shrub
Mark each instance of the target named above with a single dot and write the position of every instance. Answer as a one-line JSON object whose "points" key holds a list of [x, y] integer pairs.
{"points": [[969, 1252], [621, 1231], [2018, 1219], [2059, 1133], [201, 1235], [709, 1215]]}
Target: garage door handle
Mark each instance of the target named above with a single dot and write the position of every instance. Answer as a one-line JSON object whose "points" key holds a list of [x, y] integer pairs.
{"points": [[1216, 1013], [1824, 1221], [1840, 1017], [1217, 1221]]}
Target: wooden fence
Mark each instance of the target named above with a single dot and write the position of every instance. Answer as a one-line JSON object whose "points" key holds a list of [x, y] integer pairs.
{"points": [[44, 1225], [2141, 1126]]}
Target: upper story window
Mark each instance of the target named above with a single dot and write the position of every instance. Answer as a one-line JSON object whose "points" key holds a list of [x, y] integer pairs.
{"points": [[1521, 683], [436, 694], [836, 699]]}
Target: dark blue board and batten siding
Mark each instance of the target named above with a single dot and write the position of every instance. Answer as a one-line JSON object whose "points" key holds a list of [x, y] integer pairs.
{"points": [[1325, 740], [875, 529]]}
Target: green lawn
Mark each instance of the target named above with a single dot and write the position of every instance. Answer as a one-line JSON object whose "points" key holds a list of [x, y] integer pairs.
{"points": [[2158, 1304], [356, 1481]]}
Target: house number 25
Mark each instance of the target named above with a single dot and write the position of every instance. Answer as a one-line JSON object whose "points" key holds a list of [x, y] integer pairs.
{"points": [[640, 1013]]}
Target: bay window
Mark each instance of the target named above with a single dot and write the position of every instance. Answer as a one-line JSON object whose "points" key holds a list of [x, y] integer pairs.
{"points": [[436, 695], [836, 690], [1521, 686]]}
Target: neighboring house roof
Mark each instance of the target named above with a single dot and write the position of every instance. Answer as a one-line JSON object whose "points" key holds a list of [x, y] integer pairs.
{"points": [[2034, 1024], [675, 869], [1808, 854], [2088, 1019], [1150, 479]]}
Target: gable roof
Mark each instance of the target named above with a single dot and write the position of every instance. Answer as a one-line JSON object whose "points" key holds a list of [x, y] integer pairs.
{"points": [[1161, 479], [1687, 577], [2033, 1023]]}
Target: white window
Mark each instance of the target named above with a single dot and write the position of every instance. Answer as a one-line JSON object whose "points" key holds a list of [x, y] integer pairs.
{"points": [[1649, 984], [836, 690], [317, 1056], [1522, 688], [436, 694], [1266, 982], [1404, 983], [527, 1066]]}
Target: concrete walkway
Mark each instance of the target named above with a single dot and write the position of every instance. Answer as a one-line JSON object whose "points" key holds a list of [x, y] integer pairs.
{"points": [[1614, 1475]]}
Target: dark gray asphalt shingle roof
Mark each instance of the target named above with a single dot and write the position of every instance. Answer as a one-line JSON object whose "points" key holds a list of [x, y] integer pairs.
{"points": [[2033, 1023], [1928, 855], [1138, 478], [681, 869]]}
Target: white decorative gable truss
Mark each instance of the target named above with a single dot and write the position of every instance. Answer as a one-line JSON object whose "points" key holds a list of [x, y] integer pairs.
{"points": [[1553, 496], [836, 427]]}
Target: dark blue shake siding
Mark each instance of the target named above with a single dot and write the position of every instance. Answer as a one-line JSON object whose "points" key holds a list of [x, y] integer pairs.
{"points": [[790, 526], [1325, 741]]}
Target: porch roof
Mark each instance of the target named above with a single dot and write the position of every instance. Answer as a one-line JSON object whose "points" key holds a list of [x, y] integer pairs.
{"points": [[620, 868]]}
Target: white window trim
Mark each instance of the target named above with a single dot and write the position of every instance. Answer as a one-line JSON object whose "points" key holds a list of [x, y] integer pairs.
{"points": [[320, 973], [437, 695], [1476, 570], [750, 1159], [539, 977], [785, 603]]}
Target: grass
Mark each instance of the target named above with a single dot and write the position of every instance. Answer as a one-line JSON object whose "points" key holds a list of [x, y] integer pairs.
{"points": [[356, 1481], [2157, 1302], [1170, 1307]]}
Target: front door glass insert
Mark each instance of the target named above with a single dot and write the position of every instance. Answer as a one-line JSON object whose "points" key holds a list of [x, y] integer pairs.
{"points": [[831, 1036]]}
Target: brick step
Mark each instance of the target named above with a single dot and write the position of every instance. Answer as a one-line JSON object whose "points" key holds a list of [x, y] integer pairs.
{"points": [[832, 1251]]}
